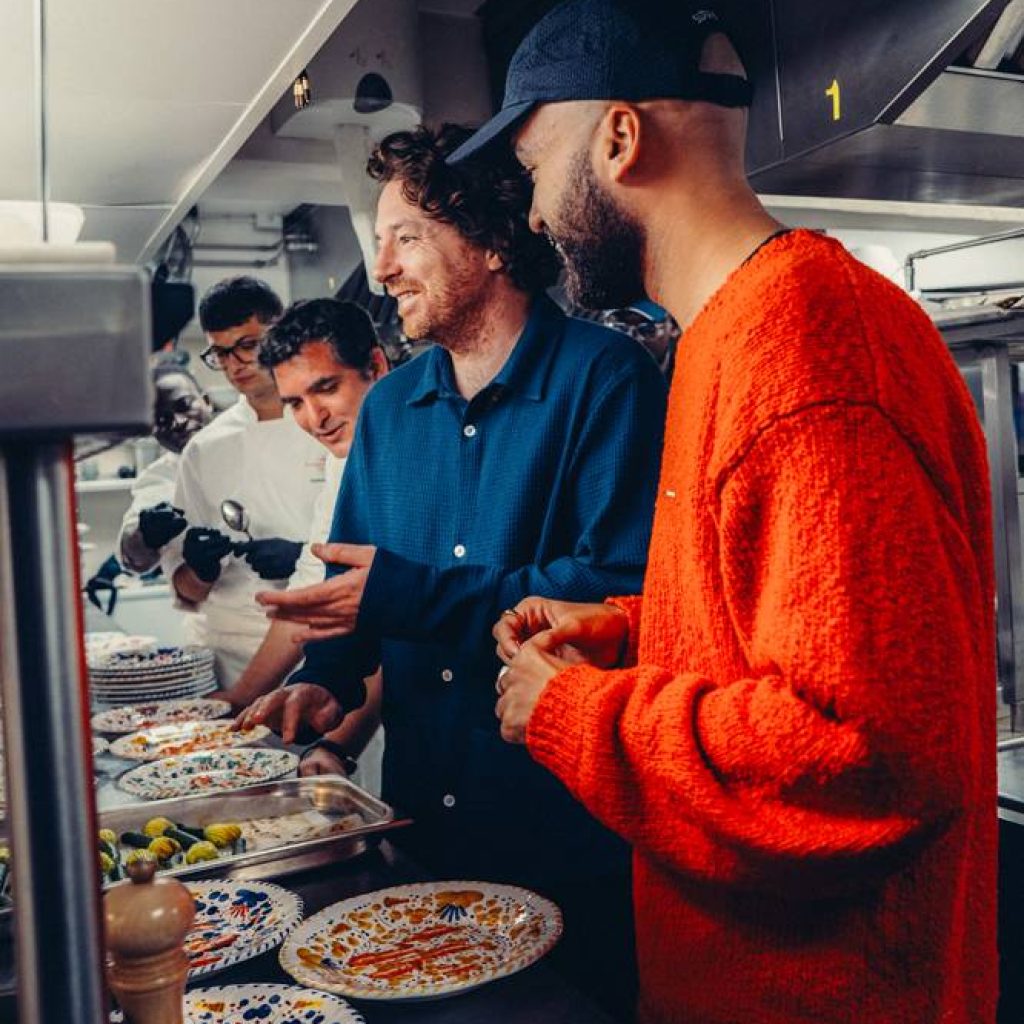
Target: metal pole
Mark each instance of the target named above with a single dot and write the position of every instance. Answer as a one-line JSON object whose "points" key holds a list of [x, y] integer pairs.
{"points": [[40, 97], [909, 269], [51, 803]]}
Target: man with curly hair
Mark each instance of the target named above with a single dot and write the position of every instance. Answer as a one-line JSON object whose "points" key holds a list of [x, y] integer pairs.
{"points": [[513, 457]]}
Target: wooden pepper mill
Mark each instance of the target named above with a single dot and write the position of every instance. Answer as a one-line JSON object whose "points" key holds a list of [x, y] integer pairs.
{"points": [[146, 925]]}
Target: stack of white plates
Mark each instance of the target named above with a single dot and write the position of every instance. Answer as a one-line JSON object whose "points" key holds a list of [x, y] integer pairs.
{"points": [[99, 645], [159, 673]]}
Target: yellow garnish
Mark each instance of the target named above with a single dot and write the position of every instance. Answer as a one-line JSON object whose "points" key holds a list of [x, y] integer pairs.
{"points": [[200, 852], [164, 848], [222, 835]]}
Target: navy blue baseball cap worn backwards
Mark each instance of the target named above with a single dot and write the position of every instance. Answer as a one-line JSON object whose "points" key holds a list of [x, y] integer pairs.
{"points": [[610, 50]]}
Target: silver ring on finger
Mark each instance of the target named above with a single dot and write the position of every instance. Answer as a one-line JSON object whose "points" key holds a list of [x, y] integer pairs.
{"points": [[499, 688]]}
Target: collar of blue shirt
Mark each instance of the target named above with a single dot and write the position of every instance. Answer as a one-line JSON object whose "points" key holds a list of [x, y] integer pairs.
{"points": [[525, 371]]}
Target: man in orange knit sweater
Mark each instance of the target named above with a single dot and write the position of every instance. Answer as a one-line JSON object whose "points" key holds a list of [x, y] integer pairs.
{"points": [[794, 725]]}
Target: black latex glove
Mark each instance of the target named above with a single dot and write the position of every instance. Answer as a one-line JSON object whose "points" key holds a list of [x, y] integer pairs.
{"points": [[102, 582], [160, 524], [203, 549], [272, 559]]}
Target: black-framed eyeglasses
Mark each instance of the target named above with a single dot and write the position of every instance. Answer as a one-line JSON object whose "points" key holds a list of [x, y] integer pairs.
{"points": [[216, 356]]}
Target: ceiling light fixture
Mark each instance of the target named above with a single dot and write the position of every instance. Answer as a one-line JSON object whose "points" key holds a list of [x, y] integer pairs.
{"points": [[302, 93]]}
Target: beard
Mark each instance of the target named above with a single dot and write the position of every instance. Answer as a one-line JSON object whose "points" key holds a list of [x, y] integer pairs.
{"points": [[601, 246], [450, 313]]}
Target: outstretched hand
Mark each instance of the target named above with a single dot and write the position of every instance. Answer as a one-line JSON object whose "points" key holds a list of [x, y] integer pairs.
{"points": [[292, 710], [327, 609]]}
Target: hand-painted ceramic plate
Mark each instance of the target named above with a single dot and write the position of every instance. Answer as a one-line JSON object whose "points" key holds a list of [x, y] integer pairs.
{"points": [[236, 921], [99, 745], [183, 738], [262, 1004], [422, 941], [148, 659], [99, 645], [266, 1004], [200, 687], [134, 717], [207, 771]]}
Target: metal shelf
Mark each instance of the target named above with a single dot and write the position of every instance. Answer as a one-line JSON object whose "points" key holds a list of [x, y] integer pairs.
{"points": [[104, 486]]}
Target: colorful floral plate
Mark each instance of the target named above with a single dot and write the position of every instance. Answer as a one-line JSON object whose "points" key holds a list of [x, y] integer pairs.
{"points": [[183, 738], [236, 921], [262, 1004], [422, 941], [207, 771], [134, 717]]}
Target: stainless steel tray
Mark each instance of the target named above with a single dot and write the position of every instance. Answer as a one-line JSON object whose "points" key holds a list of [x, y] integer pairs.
{"points": [[329, 794]]}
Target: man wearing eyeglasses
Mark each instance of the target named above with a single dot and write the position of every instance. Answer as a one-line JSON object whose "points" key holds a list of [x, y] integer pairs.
{"points": [[256, 456]]}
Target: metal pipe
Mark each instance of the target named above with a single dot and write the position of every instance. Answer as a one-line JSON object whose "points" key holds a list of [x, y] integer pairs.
{"points": [[51, 803], [969, 243], [239, 247], [257, 264], [39, 11], [1011, 744]]}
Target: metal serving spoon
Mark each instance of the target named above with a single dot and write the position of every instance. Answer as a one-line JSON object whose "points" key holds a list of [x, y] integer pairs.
{"points": [[233, 513]]}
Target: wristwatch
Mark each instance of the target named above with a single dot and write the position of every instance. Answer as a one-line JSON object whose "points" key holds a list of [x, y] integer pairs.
{"points": [[348, 762]]}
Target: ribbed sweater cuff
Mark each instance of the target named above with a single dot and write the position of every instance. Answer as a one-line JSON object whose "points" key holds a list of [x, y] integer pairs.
{"points": [[562, 717], [632, 605]]}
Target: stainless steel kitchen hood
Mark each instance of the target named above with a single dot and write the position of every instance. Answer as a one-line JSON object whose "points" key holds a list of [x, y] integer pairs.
{"points": [[862, 100]]}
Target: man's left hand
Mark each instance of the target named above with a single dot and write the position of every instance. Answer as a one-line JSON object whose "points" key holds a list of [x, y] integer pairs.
{"points": [[522, 684], [327, 609]]}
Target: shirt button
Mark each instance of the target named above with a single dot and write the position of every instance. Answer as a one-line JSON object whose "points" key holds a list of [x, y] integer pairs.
{"points": [[447, 675], [459, 551], [448, 800], [469, 430]]}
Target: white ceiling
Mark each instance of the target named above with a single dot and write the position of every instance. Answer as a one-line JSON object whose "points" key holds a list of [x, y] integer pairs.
{"points": [[147, 102]]}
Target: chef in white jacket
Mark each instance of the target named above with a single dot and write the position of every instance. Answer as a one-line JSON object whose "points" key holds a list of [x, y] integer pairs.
{"points": [[181, 410], [325, 357], [255, 455]]}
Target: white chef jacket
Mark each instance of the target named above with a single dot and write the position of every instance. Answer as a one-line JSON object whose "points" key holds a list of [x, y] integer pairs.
{"points": [[309, 570], [153, 485], [276, 471]]}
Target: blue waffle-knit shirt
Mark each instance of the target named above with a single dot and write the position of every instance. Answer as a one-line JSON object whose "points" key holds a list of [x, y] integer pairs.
{"points": [[543, 483]]}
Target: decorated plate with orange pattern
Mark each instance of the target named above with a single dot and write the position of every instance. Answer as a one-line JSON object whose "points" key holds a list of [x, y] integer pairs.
{"points": [[236, 921], [262, 1004], [133, 717], [162, 741], [422, 941]]}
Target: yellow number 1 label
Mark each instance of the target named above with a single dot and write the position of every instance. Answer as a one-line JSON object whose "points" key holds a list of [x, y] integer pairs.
{"points": [[833, 92]]}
